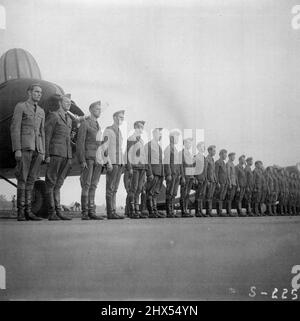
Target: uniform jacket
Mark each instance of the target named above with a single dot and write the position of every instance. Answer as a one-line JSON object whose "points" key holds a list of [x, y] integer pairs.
{"points": [[88, 140], [112, 145], [200, 167], [221, 172], [188, 164], [172, 161], [155, 164], [241, 176], [136, 156], [210, 172], [58, 134], [257, 179], [231, 173], [27, 128], [249, 177]]}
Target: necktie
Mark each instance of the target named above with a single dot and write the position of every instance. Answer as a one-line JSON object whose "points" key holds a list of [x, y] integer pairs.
{"points": [[35, 107]]}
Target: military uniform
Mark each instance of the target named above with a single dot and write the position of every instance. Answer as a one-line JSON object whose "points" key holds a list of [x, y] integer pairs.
{"points": [[241, 183], [201, 180], [88, 141], [28, 136], [222, 183], [211, 183], [257, 189], [186, 185], [112, 153], [249, 189], [136, 162], [270, 193], [173, 168], [58, 147], [232, 186], [155, 168], [264, 192]]}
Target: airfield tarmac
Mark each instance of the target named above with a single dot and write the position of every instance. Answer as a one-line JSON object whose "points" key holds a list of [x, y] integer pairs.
{"points": [[149, 259]]}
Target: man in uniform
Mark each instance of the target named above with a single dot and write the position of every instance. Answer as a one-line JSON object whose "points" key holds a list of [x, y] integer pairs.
{"points": [[88, 141], [222, 180], [241, 184], [28, 144], [188, 175], [173, 172], [136, 166], [264, 191], [113, 157], [249, 185], [155, 173], [232, 183], [58, 129], [257, 187], [281, 191], [211, 178], [201, 179], [270, 191]]}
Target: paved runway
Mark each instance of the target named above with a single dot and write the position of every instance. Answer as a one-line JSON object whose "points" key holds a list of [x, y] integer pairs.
{"points": [[182, 258]]}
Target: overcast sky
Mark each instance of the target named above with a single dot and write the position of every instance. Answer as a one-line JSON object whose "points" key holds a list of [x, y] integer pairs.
{"points": [[230, 67]]}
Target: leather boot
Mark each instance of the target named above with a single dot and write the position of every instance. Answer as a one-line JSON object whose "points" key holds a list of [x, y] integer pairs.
{"points": [[182, 207], [240, 210], [256, 209], [249, 210], [51, 206], [274, 210], [150, 207], [157, 213], [209, 209], [133, 213], [28, 201], [143, 206], [220, 204], [84, 208], [197, 210], [170, 213], [21, 204], [230, 212], [186, 209], [92, 207], [111, 213], [201, 210], [58, 208]]}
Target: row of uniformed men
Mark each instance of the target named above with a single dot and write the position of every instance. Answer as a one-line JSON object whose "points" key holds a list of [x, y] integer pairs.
{"points": [[34, 140]]}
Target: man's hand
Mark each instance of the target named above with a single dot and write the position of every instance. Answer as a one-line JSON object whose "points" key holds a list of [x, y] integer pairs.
{"points": [[83, 165], [47, 160], [169, 178], [131, 172], [238, 189], [150, 177], [18, 155], [109, 167], [182, 180]]}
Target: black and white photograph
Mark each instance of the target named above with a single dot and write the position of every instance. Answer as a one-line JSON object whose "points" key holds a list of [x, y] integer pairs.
{"points": [[149, 151]]}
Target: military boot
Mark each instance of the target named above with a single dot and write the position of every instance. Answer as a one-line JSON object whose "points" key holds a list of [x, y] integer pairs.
{"points": [[143, 206], [197, 209], [84, 208], [169, 208], [51, 206], [229, 210], [21, 204], [92, 206], [220, 208], [274, 209], [186, 208], [240, 210], [158, 213], [58, 208], [256, 209], [133, 210], [28, 202], [150, 208], [249, 210], [111, 208]]}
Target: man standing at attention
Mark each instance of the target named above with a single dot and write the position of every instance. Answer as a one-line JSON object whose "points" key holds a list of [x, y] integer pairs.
{"points": [[136, 166], [155, 173], [221, 175], [249, 186], [28, 144], [241, 183], [88, 141], [232, 183], [113, 157], [58, 155], [211, 178]]}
